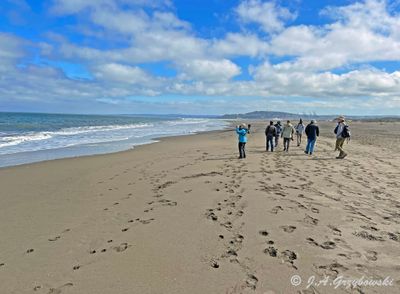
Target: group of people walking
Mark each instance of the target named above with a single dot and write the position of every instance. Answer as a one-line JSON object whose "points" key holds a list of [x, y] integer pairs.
{"points": [[275, 131]]}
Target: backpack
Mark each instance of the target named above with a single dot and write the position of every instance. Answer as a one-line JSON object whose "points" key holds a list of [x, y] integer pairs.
{"points": [[346, 132]]}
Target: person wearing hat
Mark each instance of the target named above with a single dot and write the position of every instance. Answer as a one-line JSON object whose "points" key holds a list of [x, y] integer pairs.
{"points": [[278, 128], [299, 131], [287, 135], [241, 130], [342, 133], [312, 132]]}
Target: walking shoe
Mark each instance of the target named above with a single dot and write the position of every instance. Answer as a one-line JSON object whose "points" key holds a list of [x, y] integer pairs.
{"points": [[305, 152]]}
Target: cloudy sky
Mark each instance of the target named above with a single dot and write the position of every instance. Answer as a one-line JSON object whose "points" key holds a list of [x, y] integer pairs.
{"points": [[200, 56]]}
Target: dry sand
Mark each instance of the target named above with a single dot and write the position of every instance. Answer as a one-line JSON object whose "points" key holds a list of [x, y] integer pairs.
{"points": [[186, 216]]}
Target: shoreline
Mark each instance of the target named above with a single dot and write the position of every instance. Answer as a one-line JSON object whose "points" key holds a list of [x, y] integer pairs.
{"points": [[133, 147], [185, 215]]}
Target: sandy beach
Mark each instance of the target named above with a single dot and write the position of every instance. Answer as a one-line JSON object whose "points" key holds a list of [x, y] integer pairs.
{"points": [[186, 216]]}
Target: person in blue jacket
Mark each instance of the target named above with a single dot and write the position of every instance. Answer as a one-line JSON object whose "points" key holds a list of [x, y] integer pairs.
{"points": [[241, 130], [312, 132]]}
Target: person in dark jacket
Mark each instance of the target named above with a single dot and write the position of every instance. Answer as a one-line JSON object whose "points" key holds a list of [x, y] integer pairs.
{"points": [[278, 128], [342, 133], [270, 133], [312, 132]]}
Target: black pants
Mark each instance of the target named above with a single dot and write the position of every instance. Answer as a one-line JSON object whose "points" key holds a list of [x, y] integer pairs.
{"points": [[242, 152], [286, 143], [270, 143]]}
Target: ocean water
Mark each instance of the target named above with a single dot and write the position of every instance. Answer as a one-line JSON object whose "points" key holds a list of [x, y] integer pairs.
{"points": [[32, 137]]}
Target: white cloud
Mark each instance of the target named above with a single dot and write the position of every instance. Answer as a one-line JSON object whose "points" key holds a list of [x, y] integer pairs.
{"points": [[121, 73], [326, 84], [209, 70], [358, 34], [11, 47], [236, 44], [269, 15], [66, 7], [296, 40], [75, 6]]}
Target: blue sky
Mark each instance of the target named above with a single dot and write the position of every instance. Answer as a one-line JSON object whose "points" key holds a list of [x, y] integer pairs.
{"points": [[200, 57]]}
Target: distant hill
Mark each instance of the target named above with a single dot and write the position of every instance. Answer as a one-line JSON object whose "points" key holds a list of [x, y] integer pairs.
{"points": [[295, 116], [274, 115]]}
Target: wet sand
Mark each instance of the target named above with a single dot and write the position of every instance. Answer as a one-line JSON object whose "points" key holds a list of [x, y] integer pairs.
{"points": [[186, 216]]}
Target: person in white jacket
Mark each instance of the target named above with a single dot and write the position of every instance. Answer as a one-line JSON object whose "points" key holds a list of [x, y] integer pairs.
{"points": [[287, 135], [299, 131]]}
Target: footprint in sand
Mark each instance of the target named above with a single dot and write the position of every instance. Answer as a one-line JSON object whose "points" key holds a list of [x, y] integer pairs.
{"points": [[54, 238], [332, 269], [240, 213], [310, 220], [350, 255], [227, 225], [251, 281], [37, 288], [231, 252], [29, 250], [58, 290], [211, 215], [325, 245], [315, 210], [214, 264], [146, 221], [276, 209], [312, 241], [289, 256], [328, 245], [370, 228], [288, 229], [271, 251], [263, 233], [335, 230], [368, 236], [122, 247], [394, 236], [173, 203], [372, 255]]}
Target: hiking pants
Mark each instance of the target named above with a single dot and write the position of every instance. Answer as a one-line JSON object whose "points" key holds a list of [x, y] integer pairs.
{"points": [[270, 143], [242, 152]]}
